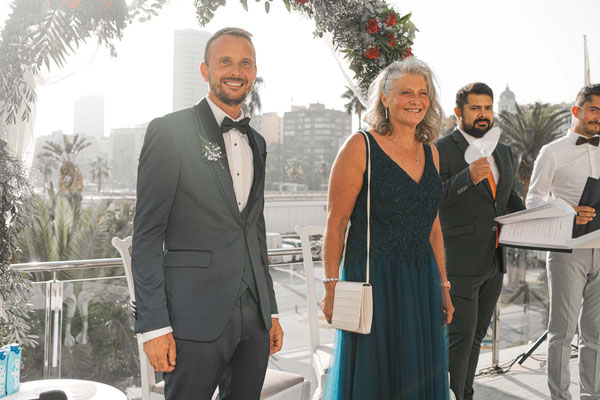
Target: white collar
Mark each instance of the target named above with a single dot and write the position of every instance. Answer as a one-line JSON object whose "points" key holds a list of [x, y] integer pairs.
{"points": [[572, 136], [220, 114]]}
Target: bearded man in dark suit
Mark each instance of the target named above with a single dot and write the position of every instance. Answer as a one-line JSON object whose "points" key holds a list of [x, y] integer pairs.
{"points": [[473, 196]]}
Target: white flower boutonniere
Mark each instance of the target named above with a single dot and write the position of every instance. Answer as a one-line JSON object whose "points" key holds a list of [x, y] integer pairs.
{"points": [[212, 152]]}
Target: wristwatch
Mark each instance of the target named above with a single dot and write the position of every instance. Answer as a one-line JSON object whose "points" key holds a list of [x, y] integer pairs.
{"points": [[446, 284]]}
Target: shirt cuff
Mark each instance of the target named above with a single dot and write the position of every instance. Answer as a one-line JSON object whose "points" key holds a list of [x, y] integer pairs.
{"points": [[145, 336], [275, 316]]}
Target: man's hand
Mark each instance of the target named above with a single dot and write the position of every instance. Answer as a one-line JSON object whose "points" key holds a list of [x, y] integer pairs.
{"points": [[584, 214], [161, 352], [479, 170], [276, 335]]}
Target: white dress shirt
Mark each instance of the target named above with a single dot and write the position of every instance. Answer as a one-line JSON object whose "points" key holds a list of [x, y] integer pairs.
{"points": [[241, 166], [239, 157], [493, 167], [562, 169]]}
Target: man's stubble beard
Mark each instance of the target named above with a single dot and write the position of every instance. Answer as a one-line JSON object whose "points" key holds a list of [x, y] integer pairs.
{"points": [[590, 130], [216, 88]]}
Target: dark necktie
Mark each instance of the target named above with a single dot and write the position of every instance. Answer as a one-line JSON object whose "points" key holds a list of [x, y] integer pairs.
{"points": [[594, 140], [228, 124]]}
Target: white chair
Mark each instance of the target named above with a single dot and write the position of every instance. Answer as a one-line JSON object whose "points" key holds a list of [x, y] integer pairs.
{"points": [[278, 385], [320, 354]]}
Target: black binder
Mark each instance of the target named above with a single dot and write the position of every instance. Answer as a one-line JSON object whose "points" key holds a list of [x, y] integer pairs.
{"points": [[591, 198]]}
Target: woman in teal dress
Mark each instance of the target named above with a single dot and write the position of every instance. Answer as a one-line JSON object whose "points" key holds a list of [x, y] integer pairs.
{"points": [[406, 354]]}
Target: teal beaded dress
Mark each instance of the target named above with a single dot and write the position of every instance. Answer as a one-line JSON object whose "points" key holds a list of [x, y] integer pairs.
{"points": [[406, 354]]}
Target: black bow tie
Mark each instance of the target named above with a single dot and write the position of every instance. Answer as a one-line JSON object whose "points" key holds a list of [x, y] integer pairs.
{"points": [[594, 140], [228, 124]]}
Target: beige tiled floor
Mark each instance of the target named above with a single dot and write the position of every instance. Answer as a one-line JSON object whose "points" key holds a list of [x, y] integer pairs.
{"points": [[527, 381]]}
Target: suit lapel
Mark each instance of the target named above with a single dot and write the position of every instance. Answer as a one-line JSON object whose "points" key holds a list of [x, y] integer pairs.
{"points": [[210, 131], [259, 168], [460, 141]]}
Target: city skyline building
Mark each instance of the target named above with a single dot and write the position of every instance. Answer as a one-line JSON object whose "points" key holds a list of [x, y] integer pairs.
{"points": [[126, 144], [507, 101], [189, 87], [88, 116], [313, 136], [270, 126]]}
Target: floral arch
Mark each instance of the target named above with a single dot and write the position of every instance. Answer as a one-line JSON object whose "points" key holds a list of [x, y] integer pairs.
{"points": [[369, 34]]}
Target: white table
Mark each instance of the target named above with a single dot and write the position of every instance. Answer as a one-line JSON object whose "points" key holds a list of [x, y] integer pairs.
{"points": [[75, 389]]}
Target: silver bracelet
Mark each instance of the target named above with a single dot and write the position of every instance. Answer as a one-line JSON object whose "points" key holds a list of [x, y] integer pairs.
{"points": [[330, 280]]}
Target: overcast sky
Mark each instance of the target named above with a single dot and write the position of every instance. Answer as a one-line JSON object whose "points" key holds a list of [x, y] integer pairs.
{"points": [[536, 46]]}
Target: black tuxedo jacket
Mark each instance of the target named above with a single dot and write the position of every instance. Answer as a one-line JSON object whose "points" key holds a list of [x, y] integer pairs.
{"points": [[190, 240], [467, 211]]}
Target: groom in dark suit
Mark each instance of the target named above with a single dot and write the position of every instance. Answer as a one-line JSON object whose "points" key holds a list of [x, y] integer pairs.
{"points": [[205, 301], [473, 196]]}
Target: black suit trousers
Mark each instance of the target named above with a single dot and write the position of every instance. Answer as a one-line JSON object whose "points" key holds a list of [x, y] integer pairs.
{"points": [[469, 325], [236, 361]]}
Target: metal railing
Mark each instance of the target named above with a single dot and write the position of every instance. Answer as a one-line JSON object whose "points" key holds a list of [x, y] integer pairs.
{"points": [[54, 296]]}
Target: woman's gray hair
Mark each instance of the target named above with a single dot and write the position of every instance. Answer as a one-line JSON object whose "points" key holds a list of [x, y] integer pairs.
{"points": [[430, 128]]}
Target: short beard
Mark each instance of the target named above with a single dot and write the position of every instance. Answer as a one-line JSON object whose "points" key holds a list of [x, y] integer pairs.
{"points": [[591, 132], [215, 87], [477, 132]]}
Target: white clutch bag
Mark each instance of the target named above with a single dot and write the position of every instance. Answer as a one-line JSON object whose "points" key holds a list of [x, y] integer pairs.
{"points": [[353, 301]]}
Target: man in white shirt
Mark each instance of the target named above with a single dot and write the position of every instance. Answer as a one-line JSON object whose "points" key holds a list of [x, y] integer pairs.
{"points": [[561, 171], [205, 304]]}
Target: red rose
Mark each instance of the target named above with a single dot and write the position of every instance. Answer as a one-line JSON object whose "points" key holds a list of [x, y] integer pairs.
{"points": [[391, 19], [372, 53], [372, 26], [302, 1], [408, 52], [392, 39]]}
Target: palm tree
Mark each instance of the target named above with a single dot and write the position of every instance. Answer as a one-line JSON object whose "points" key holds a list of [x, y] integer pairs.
{"points": [[252, 102], [527, 131], [99, 171], [353, 106], [70, 177], [47, 166]]}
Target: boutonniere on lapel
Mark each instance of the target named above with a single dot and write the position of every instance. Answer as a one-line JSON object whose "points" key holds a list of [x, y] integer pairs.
{"points": [[212, 152]]}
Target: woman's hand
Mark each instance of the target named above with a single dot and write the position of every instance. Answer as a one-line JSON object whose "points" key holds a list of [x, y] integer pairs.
{"points": [[327, 301], [447, 307]]}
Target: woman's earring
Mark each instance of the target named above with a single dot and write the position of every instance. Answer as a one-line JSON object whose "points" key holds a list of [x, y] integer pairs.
{"points": [[386, 113]]}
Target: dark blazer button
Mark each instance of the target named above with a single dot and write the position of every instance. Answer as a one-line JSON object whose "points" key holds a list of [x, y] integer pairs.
{"points": [[494, 228]]}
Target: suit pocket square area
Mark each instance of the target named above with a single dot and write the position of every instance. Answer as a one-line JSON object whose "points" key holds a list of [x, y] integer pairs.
{"points": [[187, 258]]}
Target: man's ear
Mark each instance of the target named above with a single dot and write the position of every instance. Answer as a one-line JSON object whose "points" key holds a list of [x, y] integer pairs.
{"points": [[457, 112], [575, 111], [204, 70]]}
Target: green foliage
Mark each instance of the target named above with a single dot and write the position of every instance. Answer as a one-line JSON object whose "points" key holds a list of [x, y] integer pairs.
{"points": [[528, 131], [61, 229], [39, 34], [14, 289]]}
